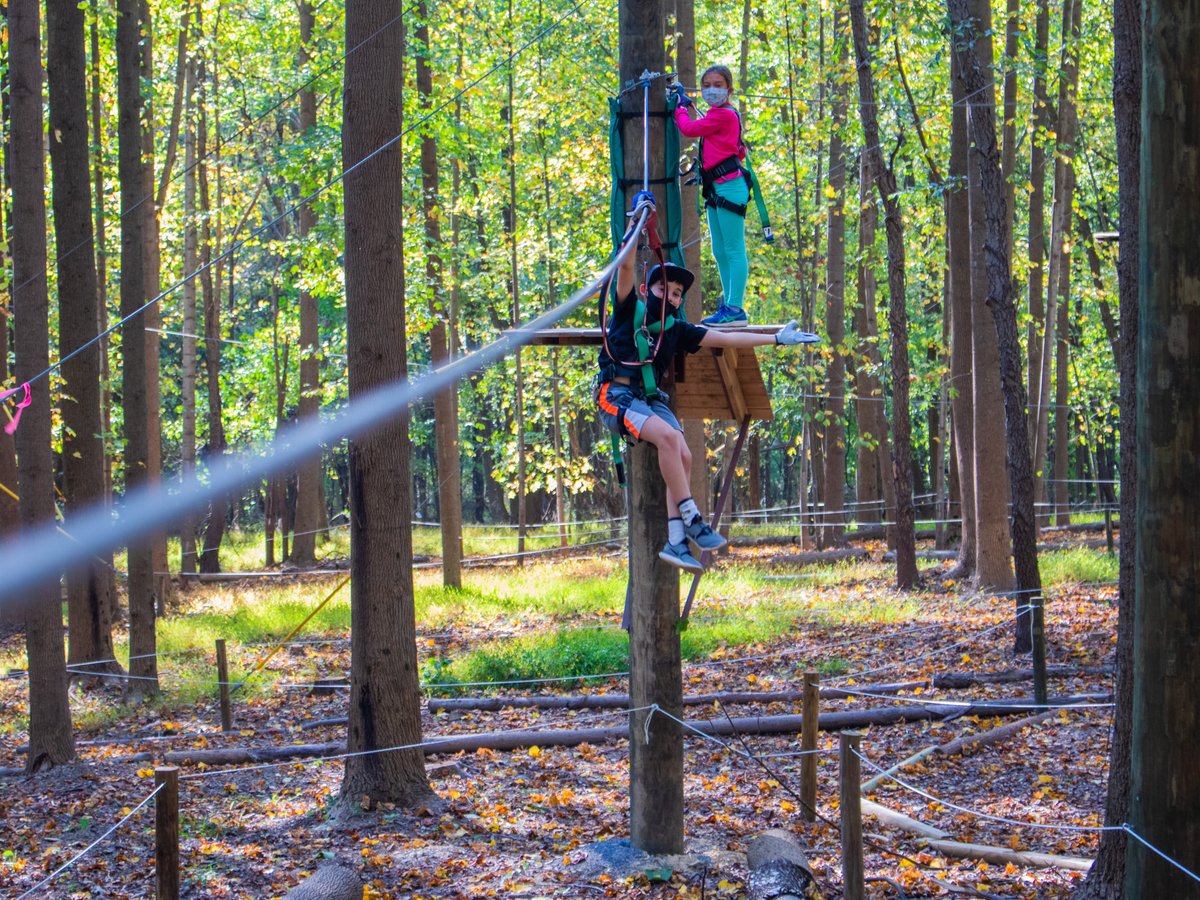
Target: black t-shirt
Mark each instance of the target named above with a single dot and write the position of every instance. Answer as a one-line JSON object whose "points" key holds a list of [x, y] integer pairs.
{"points": [[682, 337]]}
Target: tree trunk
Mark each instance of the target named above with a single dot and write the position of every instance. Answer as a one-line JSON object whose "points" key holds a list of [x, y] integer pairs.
{"points": [[1001, 300], [101, 255], [962, 400], [143, 664], [214, 528], [1106, 879], [655, 741], [1037, 234], [885, 181], [385, 707], [89, 599], [51, 741], [308, 473], [151, 319], [835, 301], [449, 475], [875, 457], [1165, 788], [191, 257], [993, 551], [1060, 254]]}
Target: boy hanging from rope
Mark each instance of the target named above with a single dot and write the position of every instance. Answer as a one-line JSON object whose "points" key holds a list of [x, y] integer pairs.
{"points": [[630, 404]]}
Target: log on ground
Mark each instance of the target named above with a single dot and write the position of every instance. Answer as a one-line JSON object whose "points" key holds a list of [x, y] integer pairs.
{"points": [[330, 882], [779, 869]]}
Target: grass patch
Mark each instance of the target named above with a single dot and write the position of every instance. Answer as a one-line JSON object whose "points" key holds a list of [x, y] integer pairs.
{"points": [[1081, 565]]}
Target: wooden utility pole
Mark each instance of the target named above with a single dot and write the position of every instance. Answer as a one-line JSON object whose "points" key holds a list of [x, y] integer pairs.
{"points": [[655, 747], [1165, 789]]}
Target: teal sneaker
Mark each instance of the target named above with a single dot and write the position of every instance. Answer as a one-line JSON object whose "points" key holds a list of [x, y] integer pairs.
{"points": [[727, 316], [703, 536], [680, 556]]}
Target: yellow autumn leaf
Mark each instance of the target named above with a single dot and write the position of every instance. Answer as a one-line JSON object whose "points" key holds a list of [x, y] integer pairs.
{"points": [[1046, 779], [535, 751], [830, 192]]}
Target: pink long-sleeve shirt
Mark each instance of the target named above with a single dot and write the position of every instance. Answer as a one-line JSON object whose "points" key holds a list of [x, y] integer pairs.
{"points": [[721, 131]]}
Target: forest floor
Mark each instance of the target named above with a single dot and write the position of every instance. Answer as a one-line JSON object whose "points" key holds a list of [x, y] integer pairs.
{"points": [[522, 823]]}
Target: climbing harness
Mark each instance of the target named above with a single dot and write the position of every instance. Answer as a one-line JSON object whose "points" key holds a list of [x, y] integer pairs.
{"points": [[707, 179]]}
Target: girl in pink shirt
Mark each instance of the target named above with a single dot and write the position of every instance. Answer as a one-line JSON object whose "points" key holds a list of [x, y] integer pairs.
{"points": [[725, 188]]}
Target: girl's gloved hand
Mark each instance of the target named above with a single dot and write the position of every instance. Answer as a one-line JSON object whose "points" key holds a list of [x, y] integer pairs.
{"points": [[681, 94], [791, 334]]}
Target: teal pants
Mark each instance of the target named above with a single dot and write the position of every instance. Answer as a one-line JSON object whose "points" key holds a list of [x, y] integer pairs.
{"points": [[728, 231]]}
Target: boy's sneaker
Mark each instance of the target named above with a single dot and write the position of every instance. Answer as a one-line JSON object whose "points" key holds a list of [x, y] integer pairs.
{"points": [[703, 536], [727, 316], [680, 556]]}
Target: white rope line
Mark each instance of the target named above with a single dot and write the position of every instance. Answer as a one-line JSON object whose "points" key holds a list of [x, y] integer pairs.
{"points": [[1128, 829], [88, 849], [981, 705], [794, 651], [736, 751], [968, 640], [982, 815], [421, 745]]}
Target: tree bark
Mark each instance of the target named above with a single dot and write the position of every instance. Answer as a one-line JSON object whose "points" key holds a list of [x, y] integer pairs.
{"points": [[1037, 230], [835, 302], [89, 599], [962, 398], [993, 551], [1165, 787], [151, 319], [191, 258], [885, 181], [214, 527], [308, 473], [874, 485], [51, 741], [143, 664], [1001, 300], [1106, 879], [655, 741], [385, 708], [445, 403]]}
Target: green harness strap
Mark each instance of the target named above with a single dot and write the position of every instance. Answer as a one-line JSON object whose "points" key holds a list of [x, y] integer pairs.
{"points": [[641, 336], [674, 224]]}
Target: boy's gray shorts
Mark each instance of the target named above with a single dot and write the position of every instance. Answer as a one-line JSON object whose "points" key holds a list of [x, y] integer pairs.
{"points": [[624, 411]]}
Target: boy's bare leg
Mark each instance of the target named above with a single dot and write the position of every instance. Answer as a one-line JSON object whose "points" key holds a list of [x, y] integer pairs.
{"points": [[674, 460]]}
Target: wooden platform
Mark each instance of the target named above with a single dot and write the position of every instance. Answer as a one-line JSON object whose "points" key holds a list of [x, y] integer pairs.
{"points": [[714, 383]]}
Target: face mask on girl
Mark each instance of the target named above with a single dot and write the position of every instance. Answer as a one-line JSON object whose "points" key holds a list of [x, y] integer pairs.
{"points": [[714, 96]]}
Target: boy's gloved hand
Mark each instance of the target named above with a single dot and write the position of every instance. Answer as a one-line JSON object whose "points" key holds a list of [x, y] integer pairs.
{"points": [[791, 334], [643, 197], [681, 95]]}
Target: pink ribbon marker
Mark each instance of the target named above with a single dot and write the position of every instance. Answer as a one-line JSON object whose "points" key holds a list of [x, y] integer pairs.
{"points": [[21, 404]]}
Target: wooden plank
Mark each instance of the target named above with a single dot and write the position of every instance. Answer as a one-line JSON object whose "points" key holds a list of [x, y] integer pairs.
{"points": [[716, 383], [727, 365]]}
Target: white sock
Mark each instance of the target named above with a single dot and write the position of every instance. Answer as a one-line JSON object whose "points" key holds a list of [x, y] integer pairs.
{"points": [[688, 511], [675, 533]]}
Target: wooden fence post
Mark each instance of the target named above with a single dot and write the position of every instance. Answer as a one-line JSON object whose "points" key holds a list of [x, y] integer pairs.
{"points": [[223, 686], [808, 744], [1041, 692], [166, 833], [853, 880]]}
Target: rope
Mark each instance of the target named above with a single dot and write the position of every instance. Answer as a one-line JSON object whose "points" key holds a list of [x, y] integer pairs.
{"points": [[263, 660], [88, 849], [420, 745], [41, 554]]}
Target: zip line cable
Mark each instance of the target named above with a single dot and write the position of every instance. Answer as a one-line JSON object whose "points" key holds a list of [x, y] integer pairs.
{"points": [[341, 176], [42, 554]]}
